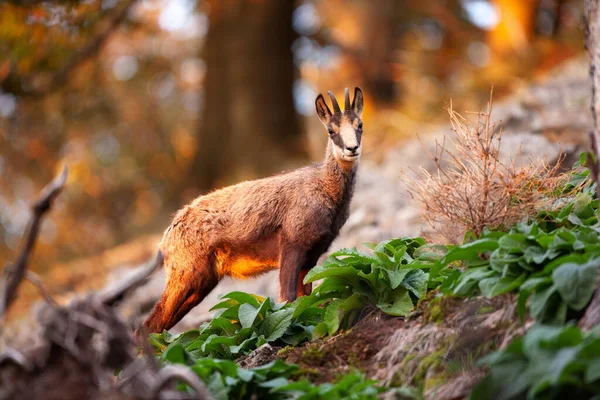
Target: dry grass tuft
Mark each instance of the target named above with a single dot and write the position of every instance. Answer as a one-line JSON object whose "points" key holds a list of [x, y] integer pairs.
{"points": [[472, 189]]}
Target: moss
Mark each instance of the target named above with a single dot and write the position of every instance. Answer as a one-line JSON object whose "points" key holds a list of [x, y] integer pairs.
{"points": [[436, 314], [433, 360], [307, 373], [436, 310], [283, 353], [485, 309], [434, 381], [407, 359], [312, 354]]}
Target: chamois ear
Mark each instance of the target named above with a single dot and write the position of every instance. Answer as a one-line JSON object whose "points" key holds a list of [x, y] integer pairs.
{"points": [[323, 110], [357, 103]]}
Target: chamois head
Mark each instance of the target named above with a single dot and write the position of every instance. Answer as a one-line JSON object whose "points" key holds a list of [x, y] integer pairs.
{"points": [[344, 128]]}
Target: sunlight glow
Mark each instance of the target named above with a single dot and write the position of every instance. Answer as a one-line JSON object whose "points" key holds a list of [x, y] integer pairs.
{"points": [[482, 13]]}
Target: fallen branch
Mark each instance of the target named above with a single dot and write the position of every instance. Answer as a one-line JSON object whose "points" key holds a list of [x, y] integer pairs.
{"points": [[15, 357], [15, 274]]}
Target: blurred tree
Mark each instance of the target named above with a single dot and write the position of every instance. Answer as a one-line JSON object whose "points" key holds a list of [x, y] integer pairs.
{"points": [[249, 125], [52, 68]]}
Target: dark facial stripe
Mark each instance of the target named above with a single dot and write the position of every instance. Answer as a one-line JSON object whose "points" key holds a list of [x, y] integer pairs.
{"points": [[336, 121]]}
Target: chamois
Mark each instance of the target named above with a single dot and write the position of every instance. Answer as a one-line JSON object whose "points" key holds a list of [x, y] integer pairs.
{"points": [[285, 221]]}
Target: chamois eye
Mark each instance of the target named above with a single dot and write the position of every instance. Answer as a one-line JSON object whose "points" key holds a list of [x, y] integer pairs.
{"points": [[331, 132], [360, 125]]}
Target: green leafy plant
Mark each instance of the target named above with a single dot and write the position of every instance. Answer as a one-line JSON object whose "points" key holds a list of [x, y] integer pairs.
{"points": [[243, 323], [394, 279], [225, 380], [555, 270], [552, 262], [547, 363]]}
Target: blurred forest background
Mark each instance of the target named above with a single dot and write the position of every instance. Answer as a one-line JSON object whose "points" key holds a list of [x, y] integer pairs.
{"points": [[151, 102]]}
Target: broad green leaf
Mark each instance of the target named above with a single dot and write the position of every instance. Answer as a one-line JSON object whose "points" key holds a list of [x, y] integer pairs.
{"points": [[354, 302], [347, 273], [522, 303], [494, 286], [470, 278], [332, 316], [514, 242], [275, 325], [551, 266], [217, 388], [174, 353], [416, 282], [385, 259], [432, 253], [223, 325], [219, 344], [539, 301], [304, 303], [234, 298], [321, 330], [471, 251], [247, 344], [576, 282], [353, 256], [401, 304], [397, 276], [249, 314], [592, 373]]}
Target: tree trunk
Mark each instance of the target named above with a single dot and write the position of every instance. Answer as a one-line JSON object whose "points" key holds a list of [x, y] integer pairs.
{"points": [[249, 126], [591, 317]]}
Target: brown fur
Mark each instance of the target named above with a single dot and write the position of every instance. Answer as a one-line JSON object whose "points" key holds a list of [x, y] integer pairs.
{"points": [[285, 221]]}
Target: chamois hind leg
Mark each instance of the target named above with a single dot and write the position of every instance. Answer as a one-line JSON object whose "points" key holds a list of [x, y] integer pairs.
{"points": [[186, 286]]}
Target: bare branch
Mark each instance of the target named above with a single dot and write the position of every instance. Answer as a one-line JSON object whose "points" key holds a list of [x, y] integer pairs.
{"points": [[12, 280], [114, 295]]}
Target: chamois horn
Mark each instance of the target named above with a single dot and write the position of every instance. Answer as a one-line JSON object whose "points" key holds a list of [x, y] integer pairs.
{"points": [[346, 101], [334, 103]]}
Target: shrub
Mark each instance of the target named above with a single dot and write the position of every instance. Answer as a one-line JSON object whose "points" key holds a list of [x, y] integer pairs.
{"points": [[472, 189]]}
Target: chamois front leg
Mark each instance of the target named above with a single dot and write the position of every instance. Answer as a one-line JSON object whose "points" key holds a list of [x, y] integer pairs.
{"points": [[291, 262], [311, 261], [303, 290]]}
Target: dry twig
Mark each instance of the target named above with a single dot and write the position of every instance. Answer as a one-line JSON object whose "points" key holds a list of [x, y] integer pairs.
{"points": [[18, 272]]}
